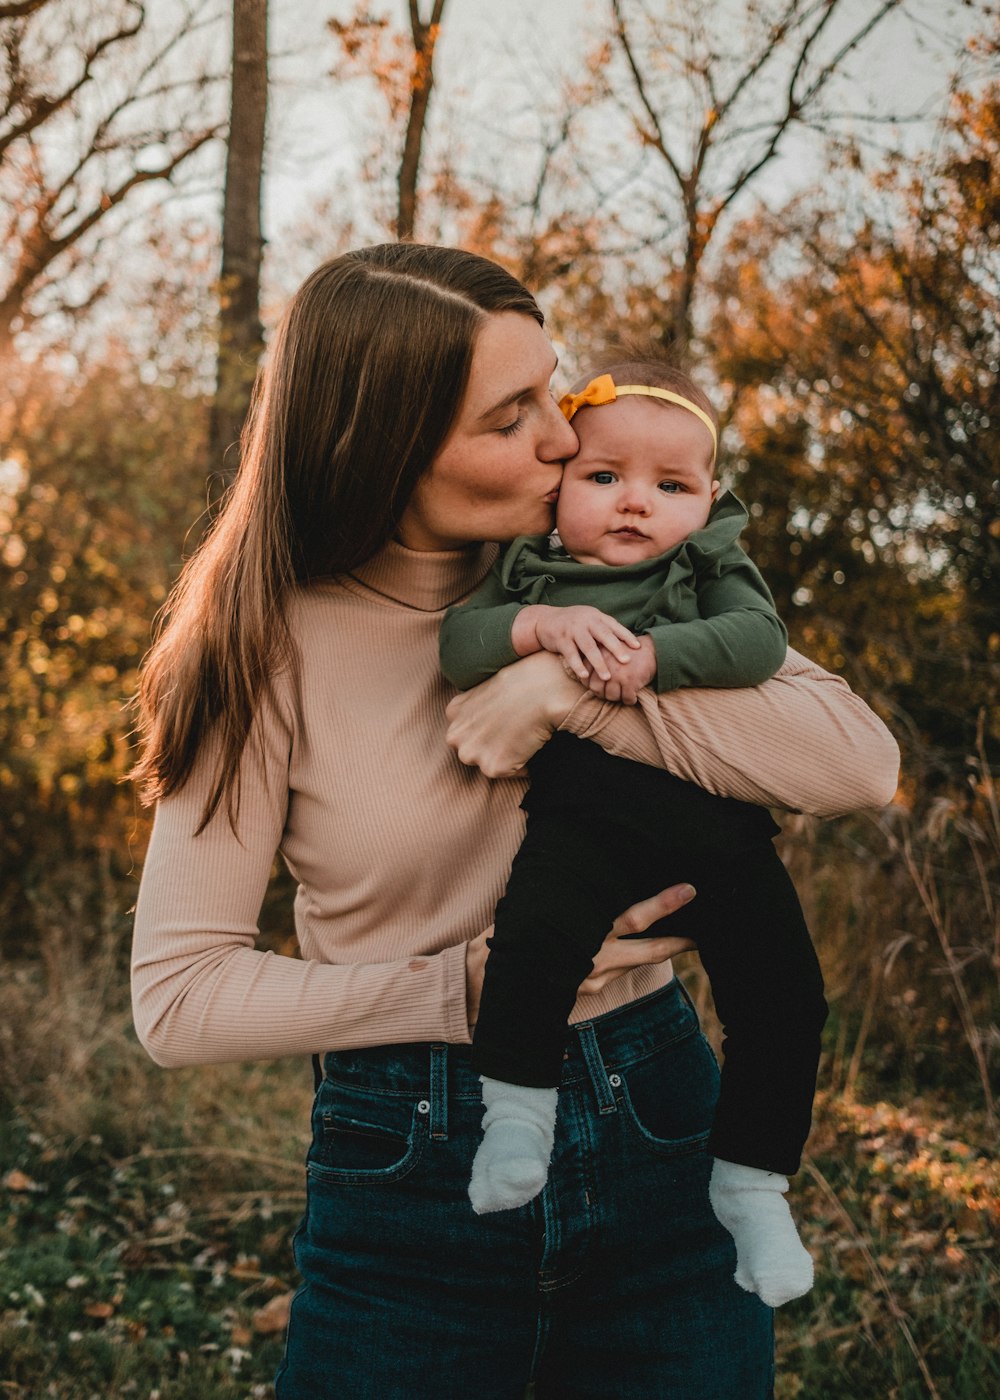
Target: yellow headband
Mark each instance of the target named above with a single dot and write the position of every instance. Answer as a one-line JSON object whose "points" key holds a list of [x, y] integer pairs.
{"points": [[604, 390]]}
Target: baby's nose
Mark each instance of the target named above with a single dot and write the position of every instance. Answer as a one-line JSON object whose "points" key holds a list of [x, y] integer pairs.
{"points": [[635, 501]]}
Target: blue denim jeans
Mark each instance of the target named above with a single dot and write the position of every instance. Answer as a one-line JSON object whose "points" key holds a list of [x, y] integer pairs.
{"points": [[616, 1282]]}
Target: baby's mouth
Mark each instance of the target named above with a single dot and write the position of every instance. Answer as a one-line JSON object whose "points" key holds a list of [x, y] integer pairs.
{"points": [[630, 533]]}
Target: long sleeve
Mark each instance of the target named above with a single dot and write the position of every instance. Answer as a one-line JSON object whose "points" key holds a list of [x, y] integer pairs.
{"points": [[475, 635], [202, 992], [803, 740], [399, 851], [737, 639]]}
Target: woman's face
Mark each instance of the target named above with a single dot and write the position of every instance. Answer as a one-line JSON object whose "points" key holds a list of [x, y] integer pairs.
{"points": [[497, 474]]}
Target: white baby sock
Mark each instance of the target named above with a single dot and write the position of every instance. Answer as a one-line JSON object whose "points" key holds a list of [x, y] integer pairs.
{"points": [[771, 1260], [512, 1163]]}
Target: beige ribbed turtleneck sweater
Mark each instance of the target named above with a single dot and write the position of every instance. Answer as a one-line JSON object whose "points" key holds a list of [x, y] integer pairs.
{"points": [[399, 851]]}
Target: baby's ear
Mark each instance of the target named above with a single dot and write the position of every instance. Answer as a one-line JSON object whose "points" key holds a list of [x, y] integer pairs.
{"points": [[715, 489]]}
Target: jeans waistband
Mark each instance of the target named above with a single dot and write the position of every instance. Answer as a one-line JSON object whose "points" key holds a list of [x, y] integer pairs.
{"points": [[595, 1050]]}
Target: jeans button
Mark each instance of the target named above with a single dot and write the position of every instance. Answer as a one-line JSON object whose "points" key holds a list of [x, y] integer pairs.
{"points": [[423, 1106], [615, 1080]]}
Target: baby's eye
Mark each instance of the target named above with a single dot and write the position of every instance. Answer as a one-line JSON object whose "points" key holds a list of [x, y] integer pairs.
{"points": [[603, 478], [671, 487]]}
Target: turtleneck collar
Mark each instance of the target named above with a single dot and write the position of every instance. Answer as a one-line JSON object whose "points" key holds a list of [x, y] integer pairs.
{"points": [[423, 579]]}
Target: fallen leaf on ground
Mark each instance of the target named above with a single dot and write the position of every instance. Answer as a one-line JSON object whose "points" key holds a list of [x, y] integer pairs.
{"points": [[273, 1316], [16, 1180]]}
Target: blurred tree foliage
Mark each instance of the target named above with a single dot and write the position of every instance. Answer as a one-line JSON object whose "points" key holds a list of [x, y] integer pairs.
{"points": [[853, 334], [100, 482], [861, 353]]}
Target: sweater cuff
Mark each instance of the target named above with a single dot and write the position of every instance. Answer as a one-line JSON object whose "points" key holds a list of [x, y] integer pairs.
{"points": [[456, 1009], [667, 671], [587, 717]]}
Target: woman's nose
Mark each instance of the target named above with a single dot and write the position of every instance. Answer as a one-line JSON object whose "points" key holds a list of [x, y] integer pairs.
{"points": [[558, 441]]}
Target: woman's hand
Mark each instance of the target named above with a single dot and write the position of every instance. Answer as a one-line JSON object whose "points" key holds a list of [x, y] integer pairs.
{"points": [[498, 725], [616, 954]]}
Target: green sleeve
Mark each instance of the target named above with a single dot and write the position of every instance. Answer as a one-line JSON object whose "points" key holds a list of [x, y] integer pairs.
{"points": [[475, 635], [738, 640]]}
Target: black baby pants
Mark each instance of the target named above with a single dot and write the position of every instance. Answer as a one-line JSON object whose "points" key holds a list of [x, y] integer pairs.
{"points": [[604, 832]]}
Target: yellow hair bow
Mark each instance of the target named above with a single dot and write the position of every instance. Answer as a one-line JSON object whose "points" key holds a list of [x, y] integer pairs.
{"points": [[604, 390]]}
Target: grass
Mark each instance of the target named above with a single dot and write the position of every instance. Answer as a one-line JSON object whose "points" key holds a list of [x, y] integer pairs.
{"points": [[140, 1260], [146, 1216], [162, 1271]]}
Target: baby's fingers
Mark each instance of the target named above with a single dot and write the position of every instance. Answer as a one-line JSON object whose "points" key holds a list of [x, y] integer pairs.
{"points": [[593, 652], [574, 662], [617, 639]]}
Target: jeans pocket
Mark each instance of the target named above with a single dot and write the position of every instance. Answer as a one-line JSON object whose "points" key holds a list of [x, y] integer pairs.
{"points": [[361, 1138], [669, 1097]]}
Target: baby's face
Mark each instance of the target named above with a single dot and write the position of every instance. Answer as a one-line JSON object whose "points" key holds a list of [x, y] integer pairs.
{"points": [[641, 482]]}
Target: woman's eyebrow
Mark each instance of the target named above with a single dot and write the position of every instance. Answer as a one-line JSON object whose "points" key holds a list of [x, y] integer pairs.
{"points": [[505, 402], [513, 398]]}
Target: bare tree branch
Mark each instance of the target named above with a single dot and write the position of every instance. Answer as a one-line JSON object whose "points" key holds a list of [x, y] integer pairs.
{"points": [[795, 33], [115, 123], [43, 249], [657, 138], [42, 108], [22, 10]]}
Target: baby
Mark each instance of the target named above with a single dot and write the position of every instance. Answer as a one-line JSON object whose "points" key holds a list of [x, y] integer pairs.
{"points": [[645, 584]]}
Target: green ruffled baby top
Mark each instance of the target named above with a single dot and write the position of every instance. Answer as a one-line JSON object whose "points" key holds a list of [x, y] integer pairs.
{"points": [[703, 603]]}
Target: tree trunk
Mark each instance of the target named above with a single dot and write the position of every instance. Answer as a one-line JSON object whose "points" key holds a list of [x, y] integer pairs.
{"points": [[240, 331], [421, 82]]}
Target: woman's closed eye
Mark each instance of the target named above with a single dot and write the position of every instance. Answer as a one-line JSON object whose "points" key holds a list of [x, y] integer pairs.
{"points": [[509, 429]]}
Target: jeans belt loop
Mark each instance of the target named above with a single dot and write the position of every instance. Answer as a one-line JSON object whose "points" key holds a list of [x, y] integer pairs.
{"points": [[595, 1068], [439, 1093]]}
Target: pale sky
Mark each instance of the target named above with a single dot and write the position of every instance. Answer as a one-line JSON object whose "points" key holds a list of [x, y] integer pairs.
{"points": [[500, 65], [497, 52]]}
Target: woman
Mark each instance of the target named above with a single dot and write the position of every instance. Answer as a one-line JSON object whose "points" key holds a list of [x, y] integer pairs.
{"points": [[293, 701]]}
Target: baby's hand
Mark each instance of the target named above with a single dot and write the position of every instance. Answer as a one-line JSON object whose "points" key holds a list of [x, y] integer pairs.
{"points": [[626, 678], [588, 641]]}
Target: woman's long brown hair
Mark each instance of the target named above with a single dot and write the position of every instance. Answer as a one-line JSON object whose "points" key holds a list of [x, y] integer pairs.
{"points": [[363, 382]]}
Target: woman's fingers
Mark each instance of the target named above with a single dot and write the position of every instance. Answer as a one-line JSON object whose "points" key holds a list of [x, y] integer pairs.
{"points": [[639, 917], [498, 725], [619, 952]]}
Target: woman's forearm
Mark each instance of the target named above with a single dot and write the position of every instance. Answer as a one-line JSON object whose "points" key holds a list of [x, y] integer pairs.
{"points": [[201, 990], [803, 740]]}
